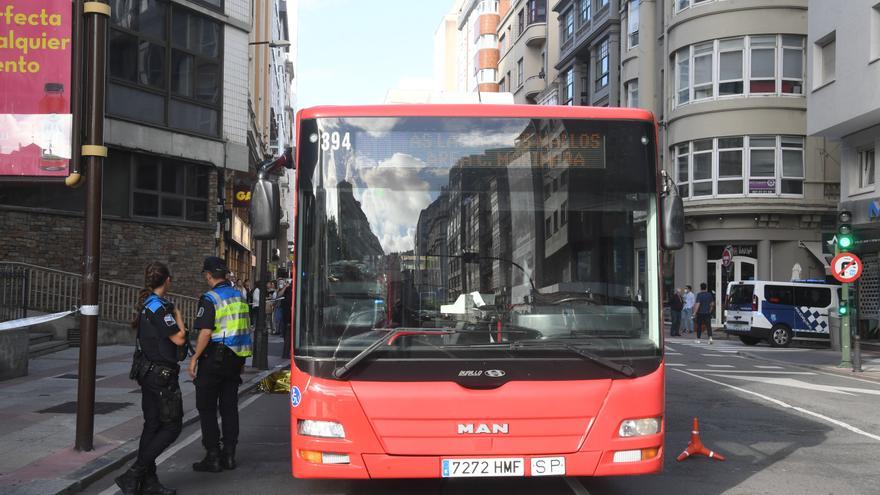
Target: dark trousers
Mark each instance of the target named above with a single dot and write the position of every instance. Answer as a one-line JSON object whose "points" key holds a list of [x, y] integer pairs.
{"points": [[285, 332], [676, 323], [217, 390], [157, 434], [704, 319]]}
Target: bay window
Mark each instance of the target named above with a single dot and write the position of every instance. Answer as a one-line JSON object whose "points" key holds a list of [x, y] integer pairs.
{"points": [[740, 166], [632, 25], [602, 64], [772, 65]]}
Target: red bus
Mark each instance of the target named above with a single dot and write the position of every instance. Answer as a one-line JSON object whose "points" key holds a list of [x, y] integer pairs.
{"points": [[477, 291]]}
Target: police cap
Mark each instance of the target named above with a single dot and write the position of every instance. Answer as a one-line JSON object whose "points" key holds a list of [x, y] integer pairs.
{"points": [[214, 264]]}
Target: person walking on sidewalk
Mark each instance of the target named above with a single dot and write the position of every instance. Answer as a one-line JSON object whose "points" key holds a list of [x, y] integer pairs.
{"points": [[687, 311], [161, 339], [703, 310], [676, 306], [225, 341]]}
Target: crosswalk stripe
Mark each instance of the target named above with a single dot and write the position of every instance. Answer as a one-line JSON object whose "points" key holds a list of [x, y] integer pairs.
{"points": [[720, 365], [675, 364]]}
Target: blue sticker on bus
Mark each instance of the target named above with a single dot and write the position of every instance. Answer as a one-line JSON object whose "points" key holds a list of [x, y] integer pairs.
{"points": [[295, 396]]}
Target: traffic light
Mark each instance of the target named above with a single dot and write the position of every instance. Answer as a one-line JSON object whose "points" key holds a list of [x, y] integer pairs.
{"points": [[843, 308], [845, 239]]}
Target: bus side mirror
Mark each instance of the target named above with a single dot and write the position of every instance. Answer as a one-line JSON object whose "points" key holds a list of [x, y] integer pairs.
{"points": [[265, 209], [673, 219]]}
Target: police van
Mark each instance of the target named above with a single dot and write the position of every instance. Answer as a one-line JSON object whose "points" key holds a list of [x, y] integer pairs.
{"points": [[779, 312]]}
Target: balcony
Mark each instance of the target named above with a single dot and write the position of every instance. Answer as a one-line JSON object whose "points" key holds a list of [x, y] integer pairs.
{"points": [[535, 34]]}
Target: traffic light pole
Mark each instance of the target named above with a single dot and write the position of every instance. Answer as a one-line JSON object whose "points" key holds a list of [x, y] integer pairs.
{"points": [[845, 350], [856, 345]]}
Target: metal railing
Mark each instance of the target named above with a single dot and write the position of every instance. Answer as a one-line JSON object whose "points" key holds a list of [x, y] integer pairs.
{"points": [[13, 294], [49, 290]]}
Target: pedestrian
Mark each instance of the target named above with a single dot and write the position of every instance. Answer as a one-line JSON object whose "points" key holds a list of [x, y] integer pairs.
{"points": [[703, 310], [286, 317], [676, 305], [270, 307], [225, 341], [253, 300], [160, 345], [687, 311]]}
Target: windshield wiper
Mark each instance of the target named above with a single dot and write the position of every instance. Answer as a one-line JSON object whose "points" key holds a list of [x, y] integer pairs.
{"points": [[623, 369], [382, 341]]}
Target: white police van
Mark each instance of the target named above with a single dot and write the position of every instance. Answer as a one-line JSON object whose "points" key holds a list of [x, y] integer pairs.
{"points": [[779, 311]]}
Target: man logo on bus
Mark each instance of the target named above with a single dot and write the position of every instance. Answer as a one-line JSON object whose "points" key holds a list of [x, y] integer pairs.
{"points": [[482, 428]]}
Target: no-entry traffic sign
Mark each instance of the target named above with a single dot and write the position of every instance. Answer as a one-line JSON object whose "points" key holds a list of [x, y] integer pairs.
{"points": [[846, 267]]}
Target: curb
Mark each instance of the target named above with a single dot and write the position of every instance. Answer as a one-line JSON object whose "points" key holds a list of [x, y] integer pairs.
{"points": [[826, 369], [114, 459]]}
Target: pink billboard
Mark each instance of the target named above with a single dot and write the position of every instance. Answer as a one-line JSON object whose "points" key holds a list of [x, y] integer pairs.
{"points": [[35, 72]]}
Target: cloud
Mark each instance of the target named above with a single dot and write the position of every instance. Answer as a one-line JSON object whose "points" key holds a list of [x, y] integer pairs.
{"points": [[394, 197]]}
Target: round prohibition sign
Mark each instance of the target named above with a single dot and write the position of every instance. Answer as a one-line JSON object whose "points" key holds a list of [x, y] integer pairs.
{"points": [[846, 267]]}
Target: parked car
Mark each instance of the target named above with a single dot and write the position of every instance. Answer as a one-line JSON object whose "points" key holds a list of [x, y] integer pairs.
{"points": [[779, 312]]}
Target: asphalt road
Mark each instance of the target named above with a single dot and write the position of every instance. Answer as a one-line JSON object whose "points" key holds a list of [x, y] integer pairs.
{"points": [[783, 429]]}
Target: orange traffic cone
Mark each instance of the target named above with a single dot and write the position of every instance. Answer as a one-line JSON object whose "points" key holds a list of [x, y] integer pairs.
{"points": [[696, 447]]}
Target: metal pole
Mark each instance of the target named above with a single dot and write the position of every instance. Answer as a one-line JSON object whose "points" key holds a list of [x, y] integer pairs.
{"points": [[856, 339], [845, 351], [94, 152], [261, 340]]}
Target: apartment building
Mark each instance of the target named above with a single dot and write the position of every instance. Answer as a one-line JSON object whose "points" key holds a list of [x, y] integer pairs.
{"points": [[477, 52], [727, 80], [528, 43], [843, 58]]}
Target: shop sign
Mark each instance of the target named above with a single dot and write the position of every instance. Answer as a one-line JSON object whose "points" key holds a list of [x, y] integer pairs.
{"points": [[242, 196], [35, 74], [873, 209], [717, 252], [726, 256]]}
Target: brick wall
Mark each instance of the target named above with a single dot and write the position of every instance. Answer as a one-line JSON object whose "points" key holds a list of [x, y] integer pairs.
{"points": [[56, 241]]}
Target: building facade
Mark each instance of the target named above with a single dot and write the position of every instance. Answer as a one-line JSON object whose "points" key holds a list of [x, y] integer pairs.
{"points": [[528, 43], [177, 131], [843, 50], [477, 54]]}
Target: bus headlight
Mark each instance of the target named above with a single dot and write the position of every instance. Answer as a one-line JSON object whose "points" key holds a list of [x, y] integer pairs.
{"points": [[639, 427], [322, 429]]}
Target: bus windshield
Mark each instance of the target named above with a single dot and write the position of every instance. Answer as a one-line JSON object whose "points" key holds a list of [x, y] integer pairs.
{"points": [[513, 238]]}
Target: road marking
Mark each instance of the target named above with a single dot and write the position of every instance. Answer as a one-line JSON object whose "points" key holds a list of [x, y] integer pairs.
{"points": [[720, 365], [791, 382], [673, 353], [786, 405], [761, 372], [576, 486], [768, 367], [714, 355], [181, 445], [675, 364]]}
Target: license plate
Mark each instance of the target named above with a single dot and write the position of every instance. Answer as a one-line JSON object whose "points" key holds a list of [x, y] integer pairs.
{"points": [[478, 468], [548, 466]]}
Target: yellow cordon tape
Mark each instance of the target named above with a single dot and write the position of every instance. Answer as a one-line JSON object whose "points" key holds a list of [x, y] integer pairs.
{"points": [[96, 8], [93, 150]]}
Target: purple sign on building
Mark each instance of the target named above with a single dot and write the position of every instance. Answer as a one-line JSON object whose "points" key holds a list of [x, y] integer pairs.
{"points": [[762, 186]]}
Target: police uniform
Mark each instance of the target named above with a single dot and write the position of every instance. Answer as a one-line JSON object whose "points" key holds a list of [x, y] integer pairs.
{"points": [[156, 370], [224, 310]]}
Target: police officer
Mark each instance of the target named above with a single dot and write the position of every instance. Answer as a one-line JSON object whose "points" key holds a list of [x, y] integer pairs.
{"points": [[160, 345], [224, 342]]}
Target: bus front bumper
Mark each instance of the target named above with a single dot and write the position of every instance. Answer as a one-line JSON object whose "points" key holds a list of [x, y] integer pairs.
{"points": [[376, 466]]}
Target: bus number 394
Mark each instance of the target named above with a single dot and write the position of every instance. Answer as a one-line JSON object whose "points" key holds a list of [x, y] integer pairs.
{"points": [[333, 141]]}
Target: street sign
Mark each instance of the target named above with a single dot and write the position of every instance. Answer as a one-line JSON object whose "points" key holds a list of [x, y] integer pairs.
{"points": [[846, 267], [727, 255]]}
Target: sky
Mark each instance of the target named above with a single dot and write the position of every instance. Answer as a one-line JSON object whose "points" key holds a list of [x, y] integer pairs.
{"points": [[354, 51]]}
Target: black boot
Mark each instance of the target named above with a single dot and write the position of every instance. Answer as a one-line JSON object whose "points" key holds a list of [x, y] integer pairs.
{"points": [[152, 486], [210, 464], [130, 482], [227, 459]]}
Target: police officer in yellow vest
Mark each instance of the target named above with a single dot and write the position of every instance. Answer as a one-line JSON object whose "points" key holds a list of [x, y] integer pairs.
{"points": [[223, 344]]}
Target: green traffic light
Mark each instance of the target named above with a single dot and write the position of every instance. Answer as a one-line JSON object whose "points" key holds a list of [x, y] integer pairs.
{"points": [[842, 310], [845, 242]]}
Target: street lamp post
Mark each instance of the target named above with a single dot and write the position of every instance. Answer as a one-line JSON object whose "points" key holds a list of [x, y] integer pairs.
{"points": [[272, 44]]}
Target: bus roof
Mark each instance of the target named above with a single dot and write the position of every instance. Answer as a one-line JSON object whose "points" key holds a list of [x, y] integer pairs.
{"points": [[478, 110]]}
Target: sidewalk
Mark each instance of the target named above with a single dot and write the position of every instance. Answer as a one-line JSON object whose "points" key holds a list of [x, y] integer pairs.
{"points": [[38, 419]]}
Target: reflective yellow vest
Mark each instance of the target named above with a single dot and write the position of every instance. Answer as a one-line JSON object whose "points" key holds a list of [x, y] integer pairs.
{"points": [[231, 320]]}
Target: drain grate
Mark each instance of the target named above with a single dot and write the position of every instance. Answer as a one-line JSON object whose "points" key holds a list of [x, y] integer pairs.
{"points": [[100, 407], [74, 376]]}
